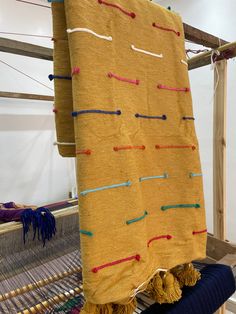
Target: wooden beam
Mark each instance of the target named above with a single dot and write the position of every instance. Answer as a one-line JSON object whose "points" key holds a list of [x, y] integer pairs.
{"points": [[202, 38], [25, 49], [26, 96], [217, 249], [226, 52], [219, 150]]}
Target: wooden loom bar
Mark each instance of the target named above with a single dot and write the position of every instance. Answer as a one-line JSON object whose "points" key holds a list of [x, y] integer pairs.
{"points": [[26, 96], [39, 284], [38, 308]]}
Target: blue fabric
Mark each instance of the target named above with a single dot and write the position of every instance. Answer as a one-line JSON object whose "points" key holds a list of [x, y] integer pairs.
{"points": [[215, 287]]}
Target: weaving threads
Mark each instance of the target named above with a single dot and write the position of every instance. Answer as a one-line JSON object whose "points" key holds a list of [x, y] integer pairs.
{"points": [[77, 113], [166, 29], [106, 188], [83, 152], [87, 30], [199, 232], [119, 78], [88, 233], [180, 206], [128, 222], [176, 89], [131, 14], [164, 176], [134, 257], [168, 237], [147, 52], [175, 146], [117, 148], [163, 117], [192, 175], [53, 77]]}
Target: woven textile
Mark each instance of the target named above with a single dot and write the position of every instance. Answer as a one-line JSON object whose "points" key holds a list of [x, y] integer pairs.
{"points": [[138, 170]]}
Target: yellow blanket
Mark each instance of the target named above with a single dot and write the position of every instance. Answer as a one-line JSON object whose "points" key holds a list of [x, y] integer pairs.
{"points": [[139, 175]]}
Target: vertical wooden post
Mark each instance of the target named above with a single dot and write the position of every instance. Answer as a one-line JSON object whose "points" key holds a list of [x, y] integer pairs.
{"points": [[219, 154]]}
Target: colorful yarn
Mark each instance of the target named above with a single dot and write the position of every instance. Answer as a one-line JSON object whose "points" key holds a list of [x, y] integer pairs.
{"points": [[180, 206], [168, 237], [106, 188], [175, 146], [87, 30], [116, 149], [131, 14], [83, 152], [88, 233], [119, 78], [77, 113], [147, 52], [52, 77], [163, 117], [176, 89], [69, 305], [164, 176], [128, 222], [166, 29], [199, 232], [134, 257]]}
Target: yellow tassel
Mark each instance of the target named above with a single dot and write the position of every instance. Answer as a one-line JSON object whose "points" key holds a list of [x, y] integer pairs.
{"points": [[171, 288], [125, 308], [155, 289], [90, 308], [187, 275]]}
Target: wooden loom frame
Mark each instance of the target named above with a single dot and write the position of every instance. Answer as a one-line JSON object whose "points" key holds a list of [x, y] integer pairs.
{"points": [[218, 249]]}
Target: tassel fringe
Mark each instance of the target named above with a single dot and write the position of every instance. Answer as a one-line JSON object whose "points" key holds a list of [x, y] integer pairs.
{"points": [[187, 275], [90, 308], [126, 308]]}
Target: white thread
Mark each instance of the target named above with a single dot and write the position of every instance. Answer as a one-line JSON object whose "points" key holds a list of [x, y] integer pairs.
{"points": [[86, 30], [184, 62], [147, 52], [61, 143]]}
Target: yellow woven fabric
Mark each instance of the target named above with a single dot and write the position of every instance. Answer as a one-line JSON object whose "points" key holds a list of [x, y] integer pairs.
{"points": [[125, 229]]}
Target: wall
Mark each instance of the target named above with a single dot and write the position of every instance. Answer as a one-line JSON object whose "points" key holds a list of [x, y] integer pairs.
{"points": [[31, 169], [216, 17]]}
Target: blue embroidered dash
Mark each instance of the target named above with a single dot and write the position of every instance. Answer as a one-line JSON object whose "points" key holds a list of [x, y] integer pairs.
{"points": [[77, 113], [59, 1], [128, 183], [163, 117], [192, 175], [62, 77], [180, 206], [164, 176], [128, 222], [88, 233]]}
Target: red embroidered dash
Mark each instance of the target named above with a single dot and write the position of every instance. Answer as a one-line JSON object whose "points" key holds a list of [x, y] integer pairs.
{"points": [[168, 237], [83, 152], [198, 232], [116, 149], [176, 89], [166, 29], [131, 14], [175, 146], [134, 257], [75, 70], [119, 78], [54, 110]]}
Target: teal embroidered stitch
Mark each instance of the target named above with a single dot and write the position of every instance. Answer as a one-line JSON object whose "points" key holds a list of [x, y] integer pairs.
{"points": [[128, 222], [106, 188], [180, 206], [88, 233], [164, 176]]}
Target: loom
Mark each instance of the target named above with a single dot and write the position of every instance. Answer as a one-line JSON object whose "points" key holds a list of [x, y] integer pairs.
{"points": [[37, 279]]}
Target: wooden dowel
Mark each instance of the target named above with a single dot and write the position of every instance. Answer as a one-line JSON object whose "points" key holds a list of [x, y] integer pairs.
{"points": [[52, 301], [38, 284], [26, 96]]}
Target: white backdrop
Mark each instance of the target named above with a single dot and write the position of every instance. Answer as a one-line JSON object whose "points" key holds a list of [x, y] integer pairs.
{"points": [[31, 169]]}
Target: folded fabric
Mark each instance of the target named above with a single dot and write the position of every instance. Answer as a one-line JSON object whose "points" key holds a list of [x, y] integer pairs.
{"points": [[142, 215]]}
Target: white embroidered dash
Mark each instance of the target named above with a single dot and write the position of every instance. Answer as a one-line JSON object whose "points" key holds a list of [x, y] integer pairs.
{"points": [[184, 62], [65, 144], [147, 52], [86, 30]]}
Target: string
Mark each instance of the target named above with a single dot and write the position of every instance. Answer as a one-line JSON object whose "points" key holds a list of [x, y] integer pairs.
{"points": [[33, 79], [21, 34], [39, 5]]}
